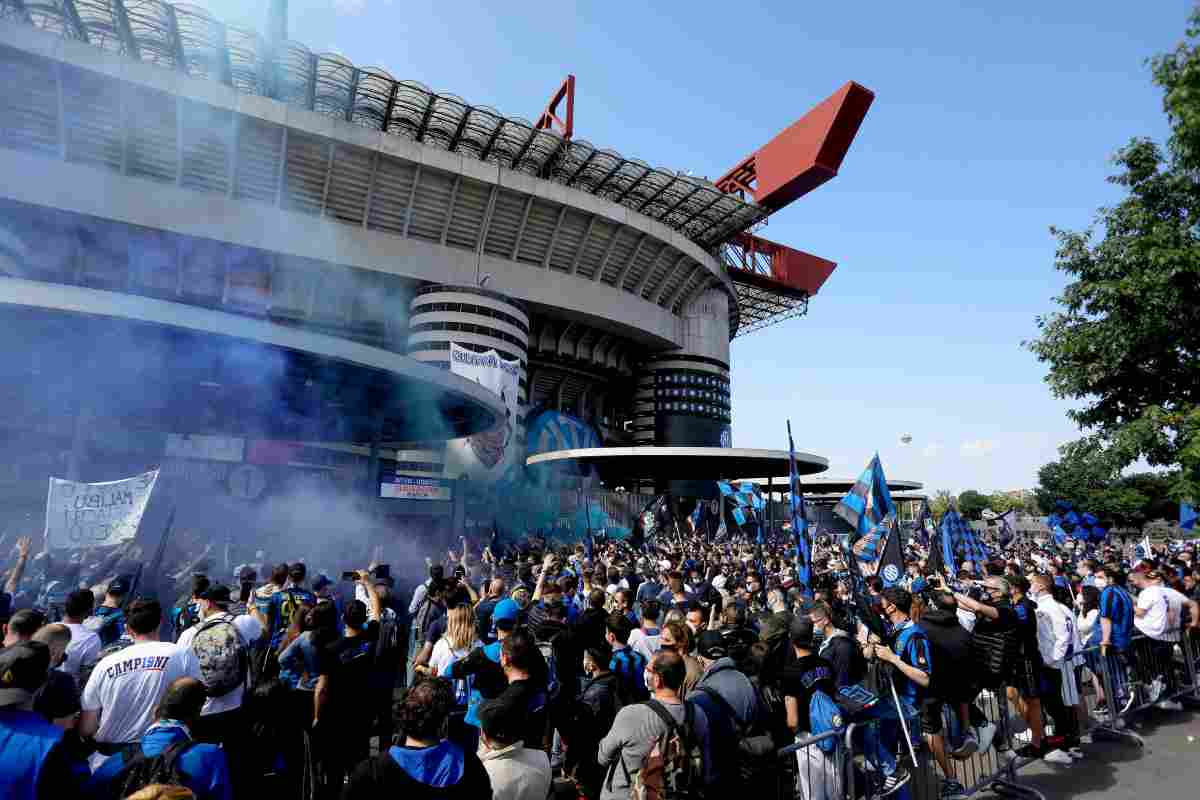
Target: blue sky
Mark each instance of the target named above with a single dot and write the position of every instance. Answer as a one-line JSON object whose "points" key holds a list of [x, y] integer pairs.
{"points": [[991, 122]]}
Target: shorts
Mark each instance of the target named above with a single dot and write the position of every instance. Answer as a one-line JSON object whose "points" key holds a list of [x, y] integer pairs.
{"points": [[931, 717], [1025, 678]]}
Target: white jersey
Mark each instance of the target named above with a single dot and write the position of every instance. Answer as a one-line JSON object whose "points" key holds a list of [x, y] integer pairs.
{"points": [[127, 685], [1164, 607], [83, 650], [250, 629]]}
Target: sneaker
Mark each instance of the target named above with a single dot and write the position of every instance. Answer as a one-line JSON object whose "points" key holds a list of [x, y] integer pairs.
{"points": [[968, 748], [1075, 753], [986, 733], [1169, 705], [952, 790], [1030, 751], [893, 783], [1058, 757]]}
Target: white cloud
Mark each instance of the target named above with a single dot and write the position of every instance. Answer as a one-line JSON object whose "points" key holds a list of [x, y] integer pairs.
{"points": [[978, 448]]}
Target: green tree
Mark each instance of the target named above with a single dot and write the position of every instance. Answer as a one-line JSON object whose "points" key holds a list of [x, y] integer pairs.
{"points": [[972, 503], [1083, 468], [1125, 342], [939, 504]]}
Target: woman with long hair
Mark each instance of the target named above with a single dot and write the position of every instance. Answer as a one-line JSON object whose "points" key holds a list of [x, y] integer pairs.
{"points": [[301, 622], [298, 665], [456, 642]]}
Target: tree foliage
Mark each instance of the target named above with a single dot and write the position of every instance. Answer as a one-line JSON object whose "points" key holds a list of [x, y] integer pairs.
{"points": [[972, 503], [1087, 475], [940, 503], [1125, 341]]}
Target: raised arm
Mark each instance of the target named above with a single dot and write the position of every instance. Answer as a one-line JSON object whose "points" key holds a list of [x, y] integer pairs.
{"points": [[14, 577]]}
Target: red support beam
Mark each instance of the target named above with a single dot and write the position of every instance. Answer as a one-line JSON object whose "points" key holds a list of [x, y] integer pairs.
{"points": [[777, 267], [804, 155], [549, 120]]}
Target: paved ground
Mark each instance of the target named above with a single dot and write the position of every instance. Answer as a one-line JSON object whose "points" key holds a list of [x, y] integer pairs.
{"points": [[1168, 767]]}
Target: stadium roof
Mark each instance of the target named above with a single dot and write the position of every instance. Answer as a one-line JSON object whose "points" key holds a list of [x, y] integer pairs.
{"points": [[186, 39], [681, 463]]}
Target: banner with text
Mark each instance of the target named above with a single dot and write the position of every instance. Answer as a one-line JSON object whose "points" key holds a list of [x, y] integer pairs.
{"points": [[96, 514], [488, 455]]}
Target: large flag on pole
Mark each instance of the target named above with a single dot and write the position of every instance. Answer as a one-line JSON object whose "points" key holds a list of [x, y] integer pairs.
{"points": [[799, 522], [960, 543], [868, 502], [923, 525]]}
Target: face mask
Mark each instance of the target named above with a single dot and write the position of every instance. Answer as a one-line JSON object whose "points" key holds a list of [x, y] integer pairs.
{"points": [[1100, 583]]}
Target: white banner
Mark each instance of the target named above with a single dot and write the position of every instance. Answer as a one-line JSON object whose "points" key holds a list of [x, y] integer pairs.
{"points": [[96, 514], [486, 455]]}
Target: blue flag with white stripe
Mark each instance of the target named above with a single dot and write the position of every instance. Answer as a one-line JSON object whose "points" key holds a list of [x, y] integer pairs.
{"points": [[868, 502], [799, 522]]}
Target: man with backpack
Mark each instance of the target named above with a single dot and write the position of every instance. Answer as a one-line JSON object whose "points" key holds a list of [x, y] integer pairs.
{"points": [[108, 621], [659, 748], [742, 743], [810, 696], [219, 656], [186, 612], [166, 753], [125, 687]]}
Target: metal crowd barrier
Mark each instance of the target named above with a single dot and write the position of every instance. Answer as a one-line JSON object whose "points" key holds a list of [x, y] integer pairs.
{"points": [[805, 771], [1127, 683]]}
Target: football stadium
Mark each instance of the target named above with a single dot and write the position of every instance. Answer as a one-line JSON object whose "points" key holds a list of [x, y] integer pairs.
{"points": [[268, 269]]}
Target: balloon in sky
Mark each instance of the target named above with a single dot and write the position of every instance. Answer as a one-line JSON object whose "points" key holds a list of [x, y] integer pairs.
{"points": [[906, 438]]}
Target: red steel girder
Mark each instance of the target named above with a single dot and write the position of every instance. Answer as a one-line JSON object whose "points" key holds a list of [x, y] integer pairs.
{"points": [[804, 155]]}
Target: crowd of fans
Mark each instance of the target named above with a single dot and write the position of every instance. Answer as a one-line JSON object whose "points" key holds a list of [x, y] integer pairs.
{"points": [[598, 672]]}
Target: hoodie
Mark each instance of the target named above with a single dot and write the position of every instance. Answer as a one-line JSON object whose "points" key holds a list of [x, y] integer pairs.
{"points": [[203, 764], [440, 772], [517, 773]]}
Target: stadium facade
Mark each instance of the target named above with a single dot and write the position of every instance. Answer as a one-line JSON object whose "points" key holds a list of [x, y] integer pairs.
{"points": [[162, 166]]}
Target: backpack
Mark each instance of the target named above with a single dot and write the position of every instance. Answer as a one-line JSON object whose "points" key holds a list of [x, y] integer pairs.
{"points": [[106, 625], [552, 684], [141, 770], [224, 659], [825, 715], [422, 618], [387, 643], [673, 768]]}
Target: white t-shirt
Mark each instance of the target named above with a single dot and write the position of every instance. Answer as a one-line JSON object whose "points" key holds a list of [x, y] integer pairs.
{"points": [[644, 643], [1161, 620], [84, 648], [250, 629], [126, 686], [443, 654]]}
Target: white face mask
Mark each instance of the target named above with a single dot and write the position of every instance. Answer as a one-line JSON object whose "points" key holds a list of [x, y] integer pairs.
{"points": [[1100, 583]]}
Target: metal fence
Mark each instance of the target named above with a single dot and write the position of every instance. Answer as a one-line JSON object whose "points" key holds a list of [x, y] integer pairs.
{"points": [[1112, 689]]}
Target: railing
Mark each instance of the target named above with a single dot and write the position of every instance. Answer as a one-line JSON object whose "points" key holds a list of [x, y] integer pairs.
{"points": [[1113, 687]]}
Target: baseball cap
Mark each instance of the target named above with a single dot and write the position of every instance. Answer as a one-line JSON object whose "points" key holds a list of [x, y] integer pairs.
{"points": [[23, 670], [711, 645], [504, 615], [216, 593], [801, 632], [119, 585]]}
